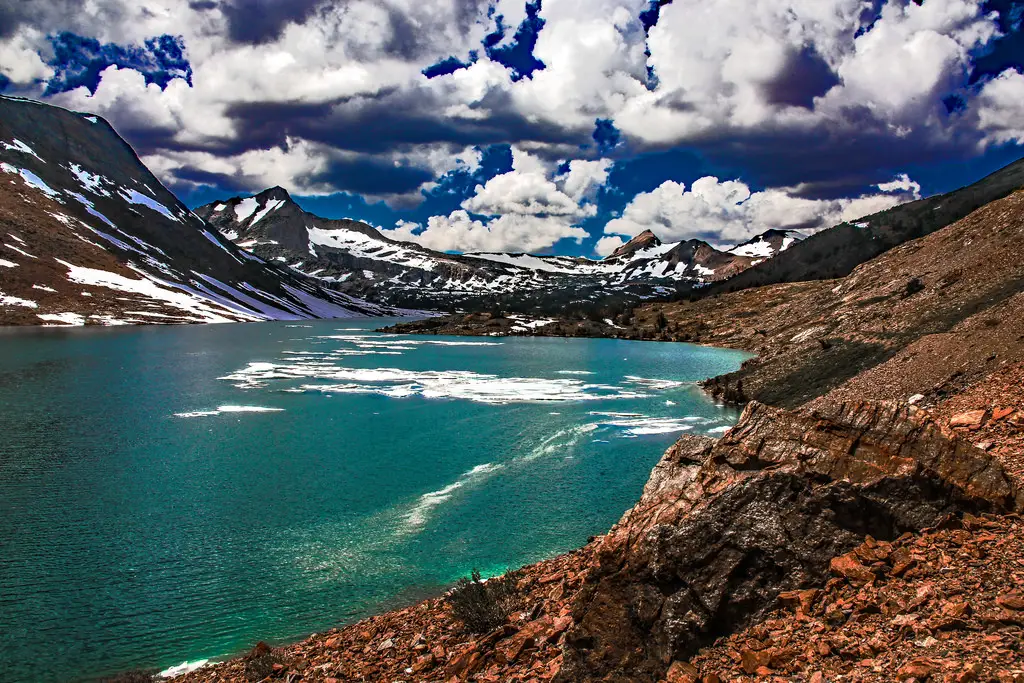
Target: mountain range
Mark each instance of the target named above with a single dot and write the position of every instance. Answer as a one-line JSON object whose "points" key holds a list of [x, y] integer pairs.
{"points": [[90, 236], [358, 259]]}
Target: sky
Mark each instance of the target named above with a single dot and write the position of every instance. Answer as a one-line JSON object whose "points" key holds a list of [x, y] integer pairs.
{"points": [[546, 126]]}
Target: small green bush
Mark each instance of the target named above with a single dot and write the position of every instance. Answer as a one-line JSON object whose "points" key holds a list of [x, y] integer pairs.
{"points": [[483, 606]]}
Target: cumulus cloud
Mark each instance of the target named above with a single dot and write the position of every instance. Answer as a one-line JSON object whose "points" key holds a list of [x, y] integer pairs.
{"points": [[1000, 109], [512, 233], [584, 177], [607, 244], [521, 210], [728, 212], [335, 97]]}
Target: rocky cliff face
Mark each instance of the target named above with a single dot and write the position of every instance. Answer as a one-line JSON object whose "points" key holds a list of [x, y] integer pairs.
{"points": [[924, 318], [723, 528]]}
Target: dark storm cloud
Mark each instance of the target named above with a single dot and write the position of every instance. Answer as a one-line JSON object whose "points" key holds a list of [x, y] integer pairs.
{"points": [[229, 183], [830, 161], [261, 21], [56, 15], [397, 120], [805, 76], [369, 175]]}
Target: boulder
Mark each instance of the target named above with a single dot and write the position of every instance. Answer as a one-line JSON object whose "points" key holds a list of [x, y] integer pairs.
{"points": [[725, 529]]}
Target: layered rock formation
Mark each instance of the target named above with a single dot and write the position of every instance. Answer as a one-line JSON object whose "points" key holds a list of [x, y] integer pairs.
{"points": [[723, 528]]}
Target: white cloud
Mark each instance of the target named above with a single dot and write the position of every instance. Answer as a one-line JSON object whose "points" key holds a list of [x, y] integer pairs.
{"points": [[584, 177], [901, 184], [19, 57], [511, 232], [1000, 109], [524, 210], [718, 62], [722, 66], [728, 212], [606, 245], [527, 190]]}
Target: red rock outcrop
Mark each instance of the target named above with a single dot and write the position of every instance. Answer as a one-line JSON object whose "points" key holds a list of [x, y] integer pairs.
{"points": [[725, 528]]}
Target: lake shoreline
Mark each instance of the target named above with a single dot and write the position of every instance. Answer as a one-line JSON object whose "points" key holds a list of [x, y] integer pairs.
{"points": [[279, 498]]}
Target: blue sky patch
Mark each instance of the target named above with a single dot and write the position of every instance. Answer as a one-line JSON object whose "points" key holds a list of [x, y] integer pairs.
{"points": [[78, 61], [606, 135], [518, 54]]}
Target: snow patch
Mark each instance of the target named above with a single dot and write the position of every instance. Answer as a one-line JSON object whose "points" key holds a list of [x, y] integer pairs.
{"points": [[272, 205], [133, 196], [7, 300], [90, 181], [73, 319], [19, 146], [148, 286], [246, 208], [31, 178], [20, 251]]}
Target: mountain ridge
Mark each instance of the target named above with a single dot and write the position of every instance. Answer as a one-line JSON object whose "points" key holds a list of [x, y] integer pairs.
{"points": [[362, 260], [91, 236]]}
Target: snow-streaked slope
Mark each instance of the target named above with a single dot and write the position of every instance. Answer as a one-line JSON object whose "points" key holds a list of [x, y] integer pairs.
{"points": [[359, 259], [89, 236], [767, 244]]}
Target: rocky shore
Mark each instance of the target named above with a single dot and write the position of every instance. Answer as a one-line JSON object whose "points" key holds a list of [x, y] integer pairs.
{"points": [[864, 542]]}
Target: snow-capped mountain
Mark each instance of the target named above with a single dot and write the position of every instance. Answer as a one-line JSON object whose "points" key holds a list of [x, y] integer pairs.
{"points": [[89, 236], [767, 244], [360, 260]]}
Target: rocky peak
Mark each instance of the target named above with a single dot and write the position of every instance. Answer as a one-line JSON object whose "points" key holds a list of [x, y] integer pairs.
{"points": [[644, 240], [277, 193], [723, 528]]}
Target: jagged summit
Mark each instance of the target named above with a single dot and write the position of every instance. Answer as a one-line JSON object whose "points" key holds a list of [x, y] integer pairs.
{"points": [[767, 244], [645, 240]]}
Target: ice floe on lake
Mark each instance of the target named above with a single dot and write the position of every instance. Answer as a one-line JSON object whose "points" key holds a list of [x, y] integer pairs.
{"points": [[220, 410], [454, 384], [655, 384]]}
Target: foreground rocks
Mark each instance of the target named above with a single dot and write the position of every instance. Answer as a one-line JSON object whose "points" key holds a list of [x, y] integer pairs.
{"points": [[764, 529], [942, 606], [424, 642], [725, 528]]}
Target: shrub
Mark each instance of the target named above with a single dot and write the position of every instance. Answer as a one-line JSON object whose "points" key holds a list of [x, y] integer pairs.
{"points": [[259, 663], [913, 287], [483, 606]]}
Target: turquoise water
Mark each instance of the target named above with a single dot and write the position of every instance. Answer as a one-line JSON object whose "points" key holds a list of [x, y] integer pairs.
{"points": [[140, 526]]}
